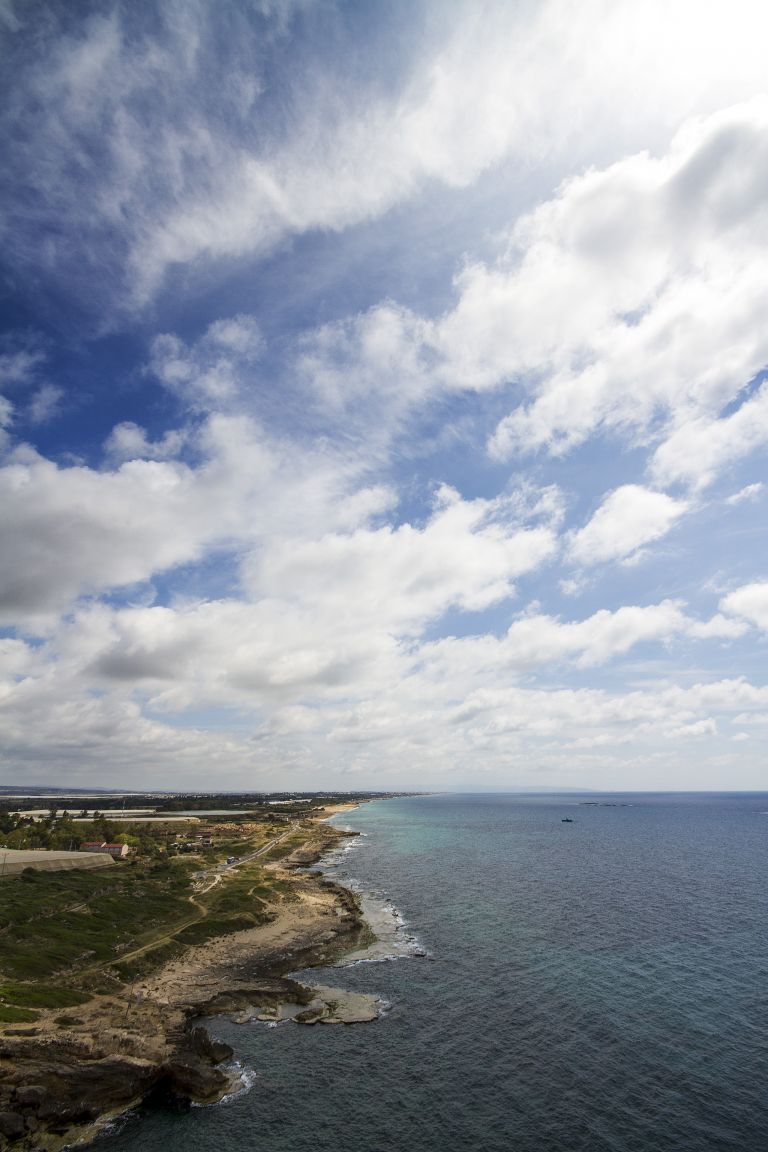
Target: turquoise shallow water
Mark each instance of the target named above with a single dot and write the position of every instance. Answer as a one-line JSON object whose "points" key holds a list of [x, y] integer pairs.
{"points": [[599, 985]]}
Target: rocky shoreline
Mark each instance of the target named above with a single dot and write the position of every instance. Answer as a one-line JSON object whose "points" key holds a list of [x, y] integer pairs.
{"points": [[59, 1086]]}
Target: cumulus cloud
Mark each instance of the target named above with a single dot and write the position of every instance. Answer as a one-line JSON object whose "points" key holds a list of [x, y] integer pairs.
{"points": [[630, 303], [629, 518], [750, 602], [468, 555], [267, 563], [635, 294], [606, 634], [209, 373], [128, 441], [315, 686], [536, 640], [706, 727], [74, 530], [555, 711], [703, 446]]}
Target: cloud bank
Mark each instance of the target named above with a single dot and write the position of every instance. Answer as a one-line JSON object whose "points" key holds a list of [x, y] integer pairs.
{"points": [[384, 406]]}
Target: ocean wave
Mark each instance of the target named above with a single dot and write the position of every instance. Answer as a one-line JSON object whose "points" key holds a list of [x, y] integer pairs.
{"points": [[393, 939], [245, 1078], [113, 1126]]}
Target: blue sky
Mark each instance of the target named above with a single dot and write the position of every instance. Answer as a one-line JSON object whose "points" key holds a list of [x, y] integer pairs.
{"points": [[383, 395]]}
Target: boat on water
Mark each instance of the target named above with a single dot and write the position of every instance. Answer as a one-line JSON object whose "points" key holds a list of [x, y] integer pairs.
{"points": [[568, 820]]}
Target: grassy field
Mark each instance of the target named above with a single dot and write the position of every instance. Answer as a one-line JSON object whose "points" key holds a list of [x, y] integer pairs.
{"points": [[61, 922]]}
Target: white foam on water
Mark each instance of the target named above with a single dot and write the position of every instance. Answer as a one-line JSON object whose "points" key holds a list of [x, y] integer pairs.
{"points": [[393, 940], [110, 1127], [246, 1078]]}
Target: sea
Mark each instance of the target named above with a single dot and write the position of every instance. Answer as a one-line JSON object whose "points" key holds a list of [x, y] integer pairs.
{"points": [[575, 972]]}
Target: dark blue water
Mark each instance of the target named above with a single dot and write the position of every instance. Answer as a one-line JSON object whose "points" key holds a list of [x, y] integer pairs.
{"points": [[600, 985]]}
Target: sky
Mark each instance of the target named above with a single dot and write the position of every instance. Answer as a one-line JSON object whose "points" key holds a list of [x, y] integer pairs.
{"points": [[384, 394]]}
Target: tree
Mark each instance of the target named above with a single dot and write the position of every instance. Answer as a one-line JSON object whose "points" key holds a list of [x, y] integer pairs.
{"points": [[103, 828], [8, 820]]}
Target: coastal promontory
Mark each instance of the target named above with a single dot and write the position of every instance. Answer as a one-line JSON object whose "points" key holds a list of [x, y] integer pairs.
{"points": [[107, 972]]}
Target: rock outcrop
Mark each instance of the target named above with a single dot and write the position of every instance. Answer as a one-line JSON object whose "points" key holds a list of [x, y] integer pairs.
{"points": [[55, 1090], [60, 1080]]}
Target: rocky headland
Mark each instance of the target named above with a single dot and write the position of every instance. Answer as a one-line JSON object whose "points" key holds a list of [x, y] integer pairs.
{"points": [[63, 1078]]}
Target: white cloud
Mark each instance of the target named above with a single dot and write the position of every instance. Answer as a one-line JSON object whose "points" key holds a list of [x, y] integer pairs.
{"points": [[49, 729], [536, 640], [701, 448], [629, 518], [73, 530], [343, 168], [306, 589], [209, 374], [706, 727], [749, 492], [369, 370], [233, 654], [19, 366], [45, 403], [323, 688], [6, 418], [190, 170], [467, 555], [633, 297], [127, 441], [70, 531], [630, 303], [558, 712], [718, 627], [751, 718], [750, 602], [8, 17]]}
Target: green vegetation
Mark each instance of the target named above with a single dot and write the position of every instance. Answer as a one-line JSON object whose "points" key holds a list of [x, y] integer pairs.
{"points": [[11, 1015], [40, 996], [64, 934], [290, 844], [57, 922], [206, 929], [139, 966], [247, 888], [60, 832]]}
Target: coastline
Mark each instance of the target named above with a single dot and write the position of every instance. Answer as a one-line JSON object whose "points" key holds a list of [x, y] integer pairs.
{"points": [[391, 937], [63, 1086]]}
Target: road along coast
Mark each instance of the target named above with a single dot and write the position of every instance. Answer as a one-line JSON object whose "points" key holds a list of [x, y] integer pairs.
{"points": [[137, 1034]]}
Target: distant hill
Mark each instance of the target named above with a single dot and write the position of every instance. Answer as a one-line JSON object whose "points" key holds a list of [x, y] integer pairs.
{"points": [[50, 790]]}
